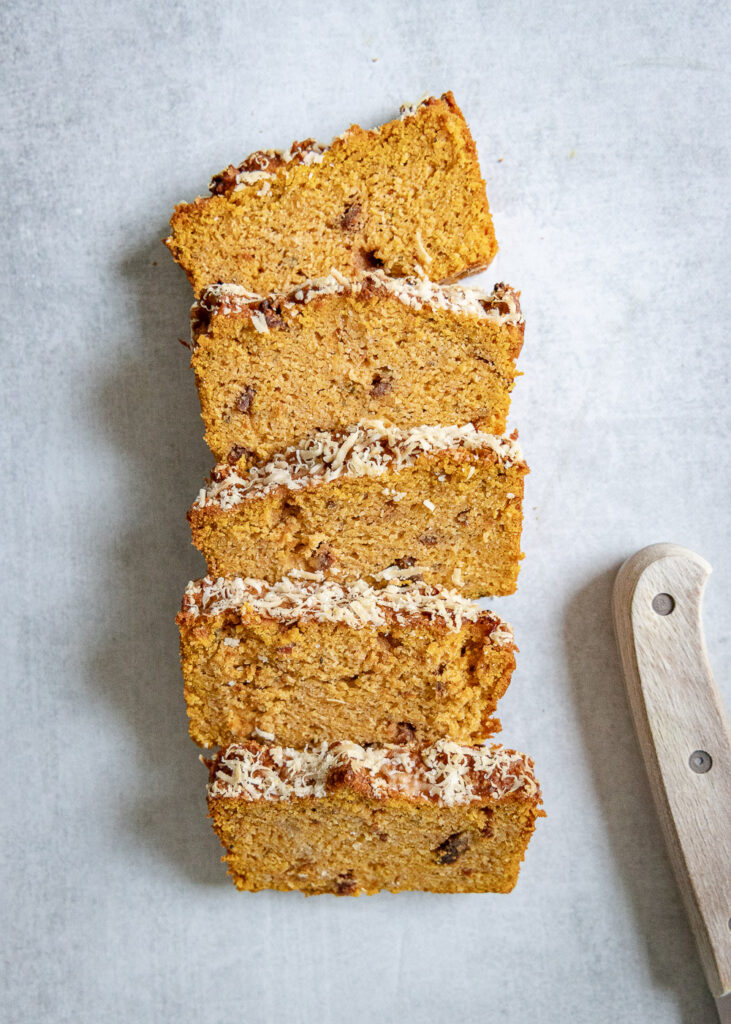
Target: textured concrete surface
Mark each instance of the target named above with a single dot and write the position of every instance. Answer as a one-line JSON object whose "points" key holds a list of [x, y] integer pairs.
{"points": [[603, 135]]}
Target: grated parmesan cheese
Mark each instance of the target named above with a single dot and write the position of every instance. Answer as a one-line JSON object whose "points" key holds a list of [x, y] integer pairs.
{"points": [[444, 772], [501, 305], [365, 449], [244, 178], [358, 605], [409, 109], [260, 322]]}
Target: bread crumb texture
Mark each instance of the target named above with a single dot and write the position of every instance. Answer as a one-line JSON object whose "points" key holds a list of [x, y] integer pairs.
{"points": [[308, 659], [270, 371], [348, 819], [443, 502], [407, 197], [355, 397]]}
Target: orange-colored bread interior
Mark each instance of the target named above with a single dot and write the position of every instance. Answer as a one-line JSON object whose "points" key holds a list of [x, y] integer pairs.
{"points": [[305, 681], [456, 515], [406, 197], [348, 819], [338, 359], [347, 845]]}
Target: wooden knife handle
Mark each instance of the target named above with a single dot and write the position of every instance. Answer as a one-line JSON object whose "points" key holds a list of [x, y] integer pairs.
{"points": [[683, 733]]}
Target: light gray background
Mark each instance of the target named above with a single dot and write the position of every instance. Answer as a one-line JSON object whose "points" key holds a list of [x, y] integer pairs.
{"points": [[603, 134]]}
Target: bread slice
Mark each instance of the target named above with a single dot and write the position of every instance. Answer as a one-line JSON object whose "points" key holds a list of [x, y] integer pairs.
{"points": [[347, 819], [272, 370], [306, 660], [445, 502], [406, 196]]}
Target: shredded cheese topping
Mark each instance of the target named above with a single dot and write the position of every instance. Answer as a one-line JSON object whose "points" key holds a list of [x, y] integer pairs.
{"points": [[250, 178], [365, 449], [409, 109], [358, 605], [501, 305], [444, 773]]}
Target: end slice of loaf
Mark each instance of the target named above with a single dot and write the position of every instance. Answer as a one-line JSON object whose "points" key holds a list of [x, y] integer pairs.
{"points": [[444, 502], [347, 819], [272, 370], [406, 196], [307, 659]]}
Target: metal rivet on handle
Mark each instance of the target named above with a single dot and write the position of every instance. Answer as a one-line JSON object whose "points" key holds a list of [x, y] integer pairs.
{"points": [[700, 761], [663, 604]]}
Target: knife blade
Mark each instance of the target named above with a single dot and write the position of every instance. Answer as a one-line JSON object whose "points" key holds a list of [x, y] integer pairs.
{"points": [[684, 737]]}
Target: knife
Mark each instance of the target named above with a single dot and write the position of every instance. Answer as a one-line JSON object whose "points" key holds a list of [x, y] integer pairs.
{"points": [[684, 737]]}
